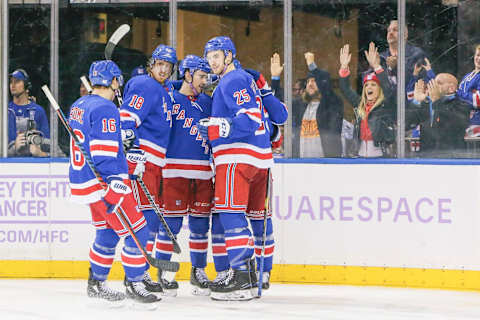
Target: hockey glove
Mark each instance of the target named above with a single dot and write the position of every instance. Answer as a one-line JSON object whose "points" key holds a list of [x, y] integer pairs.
{"points": [[259, 80], [277, 137], [116, 191], [214, 128], [128, 139], [136, 163]]}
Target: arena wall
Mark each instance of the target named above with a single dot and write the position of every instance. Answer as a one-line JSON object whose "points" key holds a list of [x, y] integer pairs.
{"points": [[394, 223]]}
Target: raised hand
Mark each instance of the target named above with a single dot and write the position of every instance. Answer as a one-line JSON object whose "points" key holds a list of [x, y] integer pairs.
{"points": [[416, 69], [427, 65], [419, 93], [345, 56], [434, 90], [276, 68], [309, 58], [372, 56]]}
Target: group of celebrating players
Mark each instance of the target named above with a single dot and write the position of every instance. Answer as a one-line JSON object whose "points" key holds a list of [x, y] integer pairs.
{"points": [[205, 157]]}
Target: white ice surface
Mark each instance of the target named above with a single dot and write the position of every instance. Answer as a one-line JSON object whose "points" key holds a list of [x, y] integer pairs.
{"points": [[67, 299]]}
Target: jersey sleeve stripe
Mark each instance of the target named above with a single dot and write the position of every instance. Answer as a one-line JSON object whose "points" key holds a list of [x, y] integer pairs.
{"points": [[130, 116]]}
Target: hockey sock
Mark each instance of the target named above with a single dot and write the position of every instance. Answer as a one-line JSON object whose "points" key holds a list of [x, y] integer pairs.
{"points": [[102, 253], [133, 261], [238, 239], [257, 227], [219, 249], [152, 223], [198, 240], [163, 244]]}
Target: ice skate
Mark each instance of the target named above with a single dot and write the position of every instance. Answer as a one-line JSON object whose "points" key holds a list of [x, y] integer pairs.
{"points": [[151, 285], [140, 296], [99, 289], [169, 287], [221, 275], [237, 286], [200, 282]]}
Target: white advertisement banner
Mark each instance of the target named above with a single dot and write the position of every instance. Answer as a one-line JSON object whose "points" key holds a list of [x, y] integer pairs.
{"points": [[421, 216]]}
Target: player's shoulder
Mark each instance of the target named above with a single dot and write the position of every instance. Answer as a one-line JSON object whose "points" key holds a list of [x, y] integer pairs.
{"points": [[237, 78], [143, 84], [100, 106], [204, 99]]}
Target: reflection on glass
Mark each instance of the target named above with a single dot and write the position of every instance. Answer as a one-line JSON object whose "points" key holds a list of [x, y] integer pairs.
{"points": [[84, 41], [29, 58], [255, 29], [337, 111]]}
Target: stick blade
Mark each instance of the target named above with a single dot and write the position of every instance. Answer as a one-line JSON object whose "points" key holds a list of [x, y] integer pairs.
{"points": [[166, 265], [114, 39]]}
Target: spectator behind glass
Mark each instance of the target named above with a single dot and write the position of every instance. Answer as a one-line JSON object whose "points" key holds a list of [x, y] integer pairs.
{"points": [[389, 57], [374, 109], [469, 91], [442, 131], [317, 116], [32, 130], [138, 71]]}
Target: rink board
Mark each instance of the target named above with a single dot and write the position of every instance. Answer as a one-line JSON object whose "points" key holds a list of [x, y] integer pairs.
{"points": [[345, 223]]}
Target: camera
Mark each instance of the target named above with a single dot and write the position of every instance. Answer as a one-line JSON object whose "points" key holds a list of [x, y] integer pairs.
{"points": [[34, 137]]}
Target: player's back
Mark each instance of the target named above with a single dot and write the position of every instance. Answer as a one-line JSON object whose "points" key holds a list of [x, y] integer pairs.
{"points": [[96, 122], [147, 110], [188, 153]]}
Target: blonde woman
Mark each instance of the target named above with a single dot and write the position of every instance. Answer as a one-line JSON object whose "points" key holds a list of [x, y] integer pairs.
{"points": [[374, 109]]}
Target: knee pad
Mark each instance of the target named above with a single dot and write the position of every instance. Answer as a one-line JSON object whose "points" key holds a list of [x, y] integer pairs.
{"points": [[106, 238], [152, 220], [142, 236], [257, 227], [174, 223], [233, 221], [199, 225]]}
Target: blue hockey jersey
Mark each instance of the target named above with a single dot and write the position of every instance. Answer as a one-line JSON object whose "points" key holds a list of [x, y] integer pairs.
{"points": [[22, 113], [96, 122], [188, 155], [469, 91], [146, 109], [237, 97]]}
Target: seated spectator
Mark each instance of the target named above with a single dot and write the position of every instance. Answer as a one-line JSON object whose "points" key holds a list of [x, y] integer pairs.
{"points": [[442, 131], [375, 109], [317, 116], [469, 91], [32, 129]]}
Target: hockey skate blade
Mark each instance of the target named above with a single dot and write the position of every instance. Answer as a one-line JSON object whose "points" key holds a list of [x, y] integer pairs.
{"points": [[99, 303], [172, 293], [197, 291], [135, 305], [238, 295]]}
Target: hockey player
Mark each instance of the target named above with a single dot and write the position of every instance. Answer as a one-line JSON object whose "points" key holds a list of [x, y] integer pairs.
{"points": [[96, 122], [146, 123], [276, 114], [242, 155], [187, 176]]}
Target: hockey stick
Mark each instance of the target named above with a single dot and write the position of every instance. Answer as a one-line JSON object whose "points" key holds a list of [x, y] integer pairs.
{"points": [[176, 246], [160, 264], [112, 43], [268, 208], [115, 39]]}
